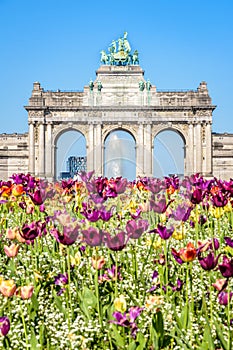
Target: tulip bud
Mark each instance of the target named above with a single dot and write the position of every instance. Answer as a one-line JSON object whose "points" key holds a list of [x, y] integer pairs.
{"points": [[98, 262], [120, 304], [4, 325], [76, 259]]}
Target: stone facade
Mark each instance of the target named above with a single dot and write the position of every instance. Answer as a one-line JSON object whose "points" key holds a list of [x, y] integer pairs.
{"points": [[120, 98], [13, 154]]}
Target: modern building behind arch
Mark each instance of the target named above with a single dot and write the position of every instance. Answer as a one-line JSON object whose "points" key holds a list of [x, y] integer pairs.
{"points": [[120, 98]]}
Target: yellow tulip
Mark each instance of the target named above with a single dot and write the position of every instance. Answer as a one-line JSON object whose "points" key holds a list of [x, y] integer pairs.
{"points": [[120, 304]]}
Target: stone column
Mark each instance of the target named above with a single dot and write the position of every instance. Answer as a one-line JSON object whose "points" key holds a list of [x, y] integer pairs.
{"points": [[48, 152], [190, 151], [31, 165], [199, 155], [208, 153], [147, 150], [98, 150], [90, 148], [41, 169], [139, 152]]}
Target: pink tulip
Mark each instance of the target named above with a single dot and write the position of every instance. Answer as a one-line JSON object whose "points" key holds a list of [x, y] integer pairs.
{"points": [[11, 251], [26, 292], [8, 288]]}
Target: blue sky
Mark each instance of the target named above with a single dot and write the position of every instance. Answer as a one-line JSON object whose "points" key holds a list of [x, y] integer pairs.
{"points": [[58, 43]]}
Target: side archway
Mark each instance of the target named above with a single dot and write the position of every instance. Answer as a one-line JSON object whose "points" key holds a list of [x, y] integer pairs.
{"points": [[70, 154], [169, 153], [120, 154]]}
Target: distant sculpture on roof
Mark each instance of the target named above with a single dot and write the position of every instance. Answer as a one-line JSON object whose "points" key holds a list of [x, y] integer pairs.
{"points": [[148, 85], [120, 53], [126, 43]]}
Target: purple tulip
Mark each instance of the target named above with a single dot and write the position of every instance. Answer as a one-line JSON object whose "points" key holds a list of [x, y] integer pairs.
{"points": [[155, 275], [160, 205], [127, 319], [38, 197], [86, 177], [163, 231], [92, 236], [30, 231], [181, 213], [178, 287], [61, 279], [117, 242], [209, 262], [176, 256], [4, 325], [196, 196], [105, 215], [136, 228], [68, 236], [229, 241], [219, 199], [92, 215], [226, 267], [224, 298]]}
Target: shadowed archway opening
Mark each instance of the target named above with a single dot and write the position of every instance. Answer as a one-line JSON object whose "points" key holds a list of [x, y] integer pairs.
{"points": [[120, 155], [168, 154], [70, 154]]}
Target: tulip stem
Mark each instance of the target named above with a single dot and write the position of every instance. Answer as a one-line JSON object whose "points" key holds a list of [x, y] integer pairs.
{"points": [[210, 298], [69, 289], [116, 273], [97, 295], [24, 325]]}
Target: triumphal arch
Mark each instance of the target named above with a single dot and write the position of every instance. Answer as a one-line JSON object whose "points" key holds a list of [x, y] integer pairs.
{"points": [[120, 98]]}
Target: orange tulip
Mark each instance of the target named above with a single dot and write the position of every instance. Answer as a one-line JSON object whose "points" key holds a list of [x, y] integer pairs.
{"points": [[11, 251], [189, 253], [8, 288], [17, 190], [5, 191]]}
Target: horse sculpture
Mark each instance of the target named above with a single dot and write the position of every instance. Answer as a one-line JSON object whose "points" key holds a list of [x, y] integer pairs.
{"points": [[135, 59], [104, 57]]}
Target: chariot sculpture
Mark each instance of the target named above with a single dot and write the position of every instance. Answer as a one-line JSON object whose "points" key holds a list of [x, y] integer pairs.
{"points": [[120, 53]]}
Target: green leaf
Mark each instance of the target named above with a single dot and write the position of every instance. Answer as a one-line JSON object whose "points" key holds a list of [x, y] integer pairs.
{"points": [[132, 346], [207, 343], [33, 340], [89, 298], [223, 341], [116, 335], [142, 341], [58, 304], [157, 329], [184, 317]]}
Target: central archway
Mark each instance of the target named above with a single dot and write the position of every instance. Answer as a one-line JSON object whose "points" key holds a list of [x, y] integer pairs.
{"points": [[120, 155], [169, 154], [70, 155]]}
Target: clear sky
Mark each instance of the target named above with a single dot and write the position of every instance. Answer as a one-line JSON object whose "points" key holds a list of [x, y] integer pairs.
{"points": [[58, 43]]}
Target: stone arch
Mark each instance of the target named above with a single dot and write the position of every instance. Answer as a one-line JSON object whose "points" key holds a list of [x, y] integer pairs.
{"points": [[71, 141], [172, 148], [119, 153], [110, 128]]}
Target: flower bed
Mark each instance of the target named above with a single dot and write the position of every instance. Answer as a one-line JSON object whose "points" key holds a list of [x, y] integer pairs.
{"points": [[110, 264]]}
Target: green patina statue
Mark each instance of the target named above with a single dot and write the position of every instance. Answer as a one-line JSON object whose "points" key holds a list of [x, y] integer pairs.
{"points": [[120, 53]]}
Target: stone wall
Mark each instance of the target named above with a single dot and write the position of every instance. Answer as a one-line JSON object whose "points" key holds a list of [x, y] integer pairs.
{"points": [[222, 145], [13, 154]]}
